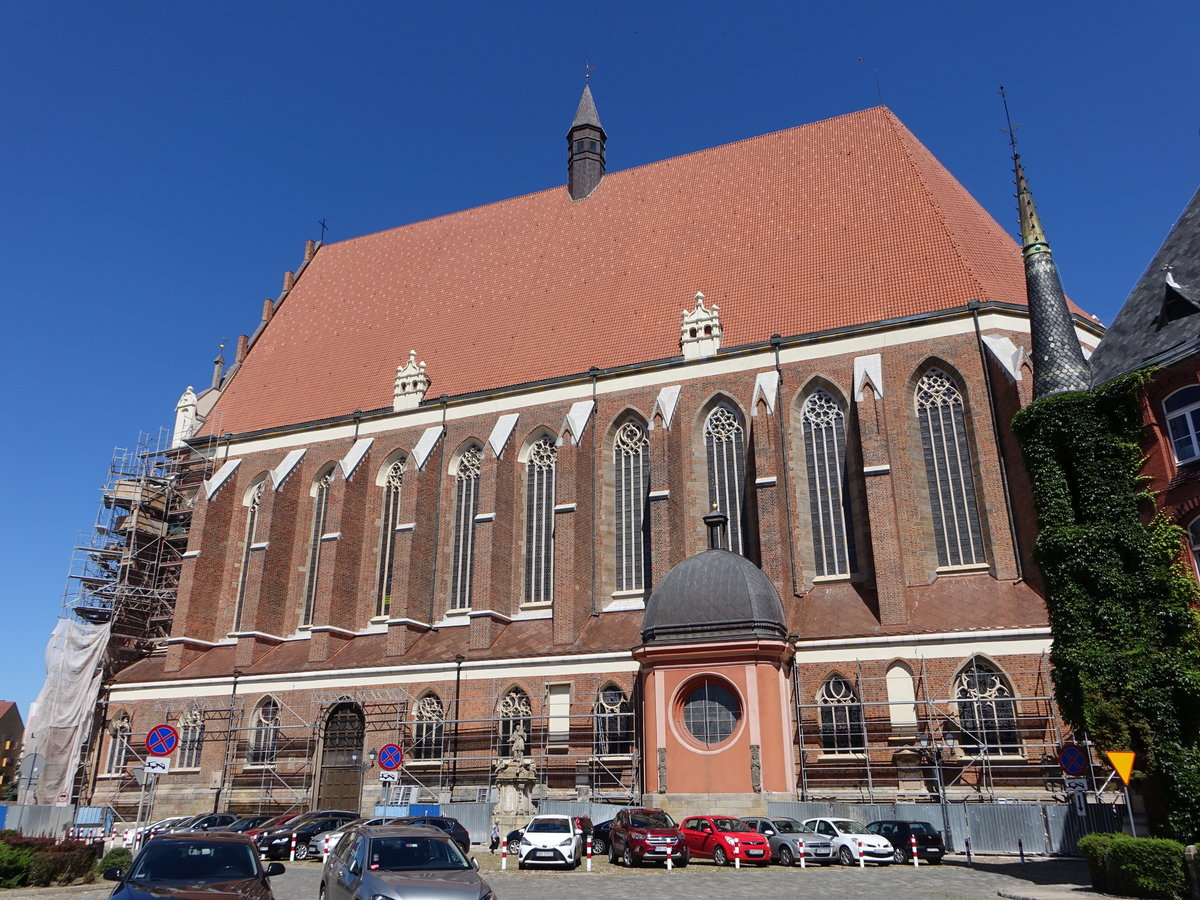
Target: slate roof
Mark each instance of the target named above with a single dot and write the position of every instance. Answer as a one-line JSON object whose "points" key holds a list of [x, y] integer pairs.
{"points": [[842, 222], [585, 113], [1139, 333]]}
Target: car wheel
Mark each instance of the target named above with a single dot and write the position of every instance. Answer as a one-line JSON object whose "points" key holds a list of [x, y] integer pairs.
{"points": [[301, 851], [898, 855], [629, 859], [684, 859], [612, 855], [936, 860], [514, 848], [786, 858], [599, 848], [720, 857], [845, 856]]}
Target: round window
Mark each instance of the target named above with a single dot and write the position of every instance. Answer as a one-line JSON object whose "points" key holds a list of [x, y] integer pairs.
{"points": [[711, 713]]}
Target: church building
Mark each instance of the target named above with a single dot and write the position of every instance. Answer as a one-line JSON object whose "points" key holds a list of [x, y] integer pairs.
{"points": [[693, 481]]}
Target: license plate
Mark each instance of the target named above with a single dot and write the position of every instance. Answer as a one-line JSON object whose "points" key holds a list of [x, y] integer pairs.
{"points": [[541, 853], [754, 853]]}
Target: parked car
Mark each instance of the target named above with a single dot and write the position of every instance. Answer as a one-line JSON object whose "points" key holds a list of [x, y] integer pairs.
{"points": [[316, 846], [846, 835], [721, 838], [246, 823], [165, 825], [900, 834], [645, 835], [186, 823], [513, 839], [218, 865], [390, 862], [451, 826], [213, 822], [273, 823], [276, 844], [551, 840], [789, 840], [600, 839]]}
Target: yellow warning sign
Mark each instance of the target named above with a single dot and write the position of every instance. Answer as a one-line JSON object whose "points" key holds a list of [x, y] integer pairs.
{"points": [[1122, 761]]}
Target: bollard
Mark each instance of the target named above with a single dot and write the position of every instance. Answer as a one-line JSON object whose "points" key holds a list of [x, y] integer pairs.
{"points": [[670, 859], [801, 845], [589, 853], [737, 854], [913, 838], [504, 856], [862, 863], [1021, 849], [325, 850], [969, 860], [292, 849]]}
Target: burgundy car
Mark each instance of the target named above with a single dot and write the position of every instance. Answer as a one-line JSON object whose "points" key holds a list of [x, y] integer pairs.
{"points": [[645, 835], [722, 838]]}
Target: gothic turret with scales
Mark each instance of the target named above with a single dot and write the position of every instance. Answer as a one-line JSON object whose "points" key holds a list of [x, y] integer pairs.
{"points": [[585, 148]]}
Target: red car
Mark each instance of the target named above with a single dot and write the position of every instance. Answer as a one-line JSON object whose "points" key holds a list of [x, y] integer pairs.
{"points": [[721, 838]]}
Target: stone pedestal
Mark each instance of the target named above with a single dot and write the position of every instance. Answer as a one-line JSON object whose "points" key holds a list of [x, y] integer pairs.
{"points": [[515, 780], [910, 775]]}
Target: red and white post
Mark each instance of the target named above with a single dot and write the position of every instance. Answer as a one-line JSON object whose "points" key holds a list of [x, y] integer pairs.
{"points": [[913, 839], [862, 863], [801, 845], [737, 854], [589, 853], [292, 848], [504, 856]]}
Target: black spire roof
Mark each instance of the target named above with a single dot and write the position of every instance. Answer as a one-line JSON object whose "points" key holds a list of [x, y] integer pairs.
{"points": [[585, 113], [1161, 317], [585, 148]]}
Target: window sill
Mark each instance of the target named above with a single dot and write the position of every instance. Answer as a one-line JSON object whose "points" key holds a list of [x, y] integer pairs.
{"points": [[829, 579], [971, 569], [541, 604], [849, 756]]}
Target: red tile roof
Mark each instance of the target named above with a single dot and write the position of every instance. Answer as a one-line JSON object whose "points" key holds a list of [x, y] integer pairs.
{"points": [[824, 226]]}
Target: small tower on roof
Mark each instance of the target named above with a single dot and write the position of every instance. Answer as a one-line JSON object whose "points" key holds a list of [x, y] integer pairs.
{"points": [[585, 148], [1058, 363]]}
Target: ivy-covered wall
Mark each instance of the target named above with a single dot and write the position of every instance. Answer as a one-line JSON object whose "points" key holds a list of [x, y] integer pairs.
{"points": [[1123, 609]]}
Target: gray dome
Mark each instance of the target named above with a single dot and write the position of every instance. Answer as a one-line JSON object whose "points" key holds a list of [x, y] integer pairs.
{"points": [[712, 596]]}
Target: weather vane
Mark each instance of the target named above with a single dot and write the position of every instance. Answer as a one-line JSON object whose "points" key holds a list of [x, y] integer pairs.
{"points": [[323, 229], [1011, 130], [588, 68]]}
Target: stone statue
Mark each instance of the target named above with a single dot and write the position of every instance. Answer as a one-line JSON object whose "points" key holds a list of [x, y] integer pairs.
{"points": [[518, 743]]}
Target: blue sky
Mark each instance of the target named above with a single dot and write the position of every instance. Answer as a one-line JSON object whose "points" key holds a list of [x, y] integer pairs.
{"points": [[163, 164]]}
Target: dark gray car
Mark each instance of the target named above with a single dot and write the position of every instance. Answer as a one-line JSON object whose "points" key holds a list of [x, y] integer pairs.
{"points": [[789, 839], [404, 862]]}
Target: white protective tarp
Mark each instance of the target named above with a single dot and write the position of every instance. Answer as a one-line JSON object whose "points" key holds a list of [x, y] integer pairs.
{"points": [[63, 713]]}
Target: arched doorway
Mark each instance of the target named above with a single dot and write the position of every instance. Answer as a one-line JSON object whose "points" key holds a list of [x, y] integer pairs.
{"points": [[342, 751]]}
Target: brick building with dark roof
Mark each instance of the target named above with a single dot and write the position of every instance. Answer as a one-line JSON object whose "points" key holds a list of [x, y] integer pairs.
{"points": [[442, 479]]}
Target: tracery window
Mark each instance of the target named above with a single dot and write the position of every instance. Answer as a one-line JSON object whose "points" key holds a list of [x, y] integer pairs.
{"points": [[724, 441], [1183, 423], [118, 747], [429, 728], [392, 483], [987, 712], [253, 502], [514, 712], [631, 463], [191, 738], [711, 713], [824, 426], [841, 717], [264, 733], [948, 470], [539, 522], [614, 722], [466, 507], [320, 495]]}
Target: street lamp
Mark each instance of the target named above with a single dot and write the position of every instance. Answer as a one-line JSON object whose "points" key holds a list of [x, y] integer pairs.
{"points": [[459, 659], [931, 752], [364, 766]]}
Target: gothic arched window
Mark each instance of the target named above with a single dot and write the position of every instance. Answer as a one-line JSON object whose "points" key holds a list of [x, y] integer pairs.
{"points": [[724, 441], [1183, 423], [514, 712], [841, 717], [252, 502], [466, 507], [393, 481], [320, 495], [948, 470], [828, 495], [539, 522], [987, 712], [429, 728], [614, 722], [118, 747], [191, 738], [264, 733], [631, 464]]}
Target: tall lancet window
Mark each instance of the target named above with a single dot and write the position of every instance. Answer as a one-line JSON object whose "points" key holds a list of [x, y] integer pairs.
{"points": [[253, 501], [724, 440], [118, 748], [948, 470], [320, 495], [191, 738], [987, 712], [429, 728], [393, 481], [828, 494], [539, 522], [631, 463], [466, 507], [841, 717]]}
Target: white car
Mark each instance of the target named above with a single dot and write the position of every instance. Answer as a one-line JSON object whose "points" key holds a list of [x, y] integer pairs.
{"points": [[318, 846], [847, 836], [551, 840]]}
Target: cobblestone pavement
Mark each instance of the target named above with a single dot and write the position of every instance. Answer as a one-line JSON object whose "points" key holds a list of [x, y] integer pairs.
{"points": [[1055, 879]]}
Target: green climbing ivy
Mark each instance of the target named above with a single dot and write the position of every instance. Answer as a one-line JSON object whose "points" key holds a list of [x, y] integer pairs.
{"points": [[1122, 605]]}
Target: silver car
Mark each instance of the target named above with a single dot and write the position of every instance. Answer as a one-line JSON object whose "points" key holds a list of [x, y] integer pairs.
{"points": [[790, 840], [401, 862]]}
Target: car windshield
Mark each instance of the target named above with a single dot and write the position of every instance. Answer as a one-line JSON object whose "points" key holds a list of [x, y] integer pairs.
{"points": [[194, 861], [921, 828], [404, 854], [549, 826], [789, 826], [845, 826], [731, 825], [651, 820]]}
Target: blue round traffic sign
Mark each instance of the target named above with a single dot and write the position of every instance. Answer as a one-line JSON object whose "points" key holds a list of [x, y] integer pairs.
{"points": [[390, 757], [1073, 760], [162, 740]]}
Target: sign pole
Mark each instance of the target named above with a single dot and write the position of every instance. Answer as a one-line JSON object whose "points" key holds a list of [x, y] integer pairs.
{"points": [[1129, 807]]}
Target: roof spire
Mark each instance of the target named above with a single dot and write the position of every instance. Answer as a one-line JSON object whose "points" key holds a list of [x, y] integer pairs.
{"points": [[1058, 363], [585, 148]]}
